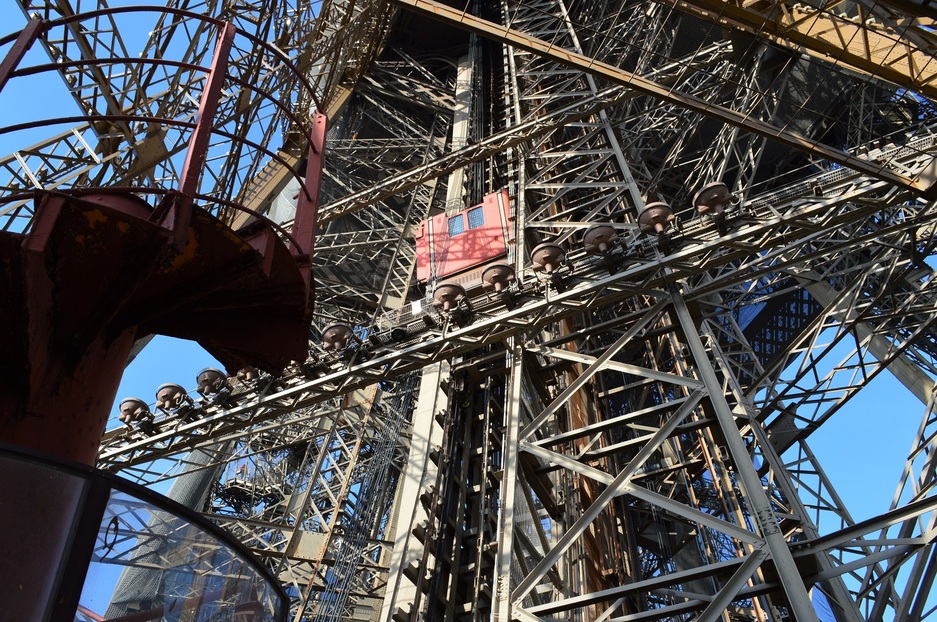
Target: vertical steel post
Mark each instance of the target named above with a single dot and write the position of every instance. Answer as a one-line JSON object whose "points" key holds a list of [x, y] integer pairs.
{"points": [[501, 596], [180, 211], [417, 476], [307, 204], [762, 514]]}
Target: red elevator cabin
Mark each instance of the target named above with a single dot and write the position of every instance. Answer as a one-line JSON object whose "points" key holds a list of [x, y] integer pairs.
{"points": [[456, 248]]}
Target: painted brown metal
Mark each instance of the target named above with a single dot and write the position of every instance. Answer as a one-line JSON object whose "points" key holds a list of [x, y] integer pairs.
{"points": [[99, 270], [19, 48], [863, 45], [94, 274], [307, 204], [569, 58]]}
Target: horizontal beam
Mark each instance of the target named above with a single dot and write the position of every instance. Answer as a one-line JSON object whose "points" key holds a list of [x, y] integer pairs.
{"points": [[595, 67], [772, 225], [864, 46]]}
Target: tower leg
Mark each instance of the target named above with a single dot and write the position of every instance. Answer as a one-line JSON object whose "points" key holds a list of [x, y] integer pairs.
{"points": [[65, 411], [791, 581]]}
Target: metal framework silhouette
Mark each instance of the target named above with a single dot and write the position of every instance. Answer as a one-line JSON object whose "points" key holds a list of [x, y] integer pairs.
{"points": [[620, 435]]}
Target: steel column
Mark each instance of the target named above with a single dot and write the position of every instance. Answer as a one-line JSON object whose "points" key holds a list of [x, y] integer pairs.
{"points": [[762, 514]]}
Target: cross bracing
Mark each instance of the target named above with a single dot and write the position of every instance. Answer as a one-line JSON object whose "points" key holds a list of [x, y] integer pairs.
{"points": [[625, 438]]}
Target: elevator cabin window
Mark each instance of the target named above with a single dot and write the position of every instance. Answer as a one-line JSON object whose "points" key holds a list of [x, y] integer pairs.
{"points": [[476, 218], [456, 225]]}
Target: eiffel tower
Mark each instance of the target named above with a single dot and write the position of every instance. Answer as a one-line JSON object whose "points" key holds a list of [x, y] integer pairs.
{"points": [[588, 275]]}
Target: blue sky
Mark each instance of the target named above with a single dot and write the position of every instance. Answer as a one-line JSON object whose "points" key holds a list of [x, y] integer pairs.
{"points": [[863, 447], [163, 360]]}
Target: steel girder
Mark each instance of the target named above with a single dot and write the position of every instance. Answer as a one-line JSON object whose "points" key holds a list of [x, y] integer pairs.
{"points": [[581, 152]]}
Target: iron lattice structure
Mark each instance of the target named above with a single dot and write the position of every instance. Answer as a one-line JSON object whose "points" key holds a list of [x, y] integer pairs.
{"points": [[623, 437]]}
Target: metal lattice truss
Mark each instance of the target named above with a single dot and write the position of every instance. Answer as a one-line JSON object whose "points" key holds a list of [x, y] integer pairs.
{"points": [[591, 288], [622, 439], [134, 76]]}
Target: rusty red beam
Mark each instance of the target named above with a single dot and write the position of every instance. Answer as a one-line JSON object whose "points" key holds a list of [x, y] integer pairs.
{"points": [[307, 204], [23, 42], [176, 214], [208, 105]]}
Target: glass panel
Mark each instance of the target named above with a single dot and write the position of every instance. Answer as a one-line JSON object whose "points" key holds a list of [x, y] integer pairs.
{"points": [[152, 563], [456, 225], [476, 217], [38, 508]]}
